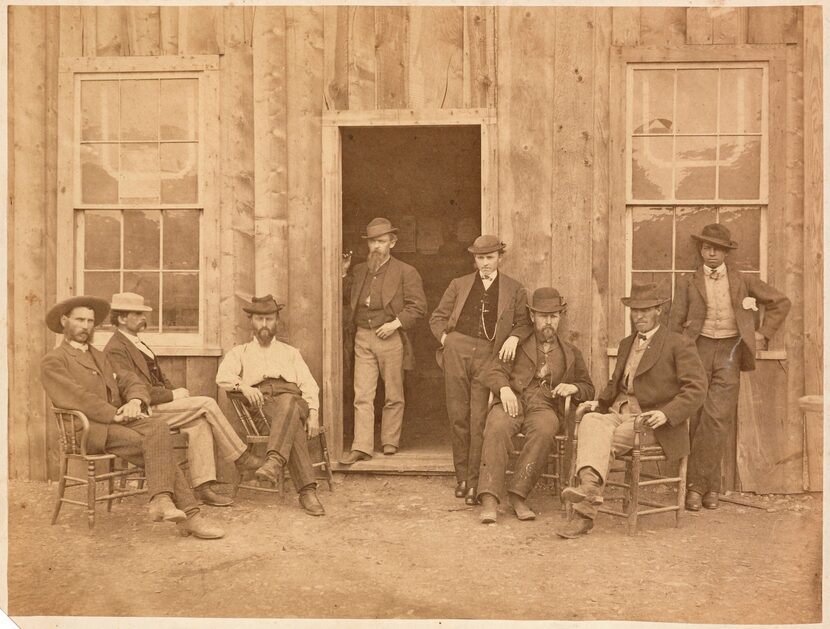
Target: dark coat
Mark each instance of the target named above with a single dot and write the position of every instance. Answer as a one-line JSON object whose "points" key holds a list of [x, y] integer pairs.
{"points": [[88, 382], [124, 355], [688, 312], [669, 378]]}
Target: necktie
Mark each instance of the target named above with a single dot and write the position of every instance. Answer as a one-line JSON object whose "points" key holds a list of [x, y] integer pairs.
{"points": [[642, 336], [715, 275], [485, 278]]}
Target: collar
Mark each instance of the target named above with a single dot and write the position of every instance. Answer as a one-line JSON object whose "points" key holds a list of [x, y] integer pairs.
{"points": [[492, 277], [133, 337], [650, 333], [721, 270], [381, 267], [80, 346]]}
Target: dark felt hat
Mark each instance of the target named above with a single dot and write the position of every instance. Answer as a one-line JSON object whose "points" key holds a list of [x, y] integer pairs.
{"points": [[644, 296], [486, 244], [718, 235], [546, 299], [378, 227], [263, 305], [100, 307]]}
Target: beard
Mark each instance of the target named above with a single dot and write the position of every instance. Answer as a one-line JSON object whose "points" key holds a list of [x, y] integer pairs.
{"points": [[82, 336], [374, 260], [548, 332], [265, 335]]}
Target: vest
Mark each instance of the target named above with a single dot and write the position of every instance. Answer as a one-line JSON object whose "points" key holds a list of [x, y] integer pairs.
{"points": [[469, 321]]}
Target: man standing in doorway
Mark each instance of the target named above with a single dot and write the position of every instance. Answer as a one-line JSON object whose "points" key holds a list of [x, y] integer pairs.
{"points": [[481, 315], [715, 308], [387, 300]]}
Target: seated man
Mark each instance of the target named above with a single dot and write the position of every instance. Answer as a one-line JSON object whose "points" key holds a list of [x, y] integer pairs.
{"points": [[77, 376], [658, 374], [274, 377], [531, 390], [198, 416]]}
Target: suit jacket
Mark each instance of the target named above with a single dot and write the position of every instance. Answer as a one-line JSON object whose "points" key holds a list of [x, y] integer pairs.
{"points": [[688, 312], [402, 295], [124, 355], [518, 374], [88, 382], [512, 314], [669, 378]]}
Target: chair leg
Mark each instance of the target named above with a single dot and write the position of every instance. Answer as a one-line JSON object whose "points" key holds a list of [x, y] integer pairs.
{"points": [[110, 485], [634, 492], [61, 489], [281, 483], [681, 491], [325, 450], [90, 493], [626, 490]]}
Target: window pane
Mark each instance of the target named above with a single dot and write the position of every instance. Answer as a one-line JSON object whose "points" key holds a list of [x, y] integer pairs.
{"points": [[740, 167], [740, 100], [653, 93], [139, 173], [697, 101], [99, 110], [664, 282], [103, 284], [695, 176], [179, 167], [99, 173], [690, 221], [139, 109], [651, 245], [142, 233], [179, 109], [745, 226], [181, 239], [146, 285], [651, 168], [102, 240], [181, 302]]}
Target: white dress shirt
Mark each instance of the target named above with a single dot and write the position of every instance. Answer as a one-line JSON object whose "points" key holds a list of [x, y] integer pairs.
{"points": [[489, 281], [720, 317], [139, 344]]}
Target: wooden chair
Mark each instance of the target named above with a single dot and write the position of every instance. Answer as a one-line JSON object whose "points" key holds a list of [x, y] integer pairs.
{"points": [[635, 478], [257, 428]]}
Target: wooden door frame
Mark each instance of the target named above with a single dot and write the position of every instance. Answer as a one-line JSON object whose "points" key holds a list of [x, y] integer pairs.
{"points": [[332, 380]]}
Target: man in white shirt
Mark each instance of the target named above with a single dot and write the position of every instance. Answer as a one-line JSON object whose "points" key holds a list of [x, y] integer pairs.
{"points": [[273, 376]]}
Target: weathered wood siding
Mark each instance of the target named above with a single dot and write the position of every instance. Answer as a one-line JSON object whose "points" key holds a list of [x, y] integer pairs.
{"points": [[547, 73]]}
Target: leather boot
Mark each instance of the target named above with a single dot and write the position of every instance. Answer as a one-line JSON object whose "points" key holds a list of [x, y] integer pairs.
{"points": [[270, 470], [209, 497], [248, 462], [162, 508], [588, 490], [576, 526], [197, 526], [520, 508], [310, 503], [489, 509]]}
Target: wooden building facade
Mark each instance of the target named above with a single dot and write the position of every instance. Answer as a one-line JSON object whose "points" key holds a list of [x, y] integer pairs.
{"points": [[200, 155]]}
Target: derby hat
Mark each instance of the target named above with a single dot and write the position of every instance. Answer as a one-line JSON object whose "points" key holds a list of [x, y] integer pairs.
{"points": [[128, 302], [644, 296], [546, 299], [100, 307], [378, 227], [486, 244], [718, 235], [263, 305]]}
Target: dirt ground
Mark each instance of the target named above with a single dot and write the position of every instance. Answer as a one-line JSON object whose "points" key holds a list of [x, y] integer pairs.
{"points": [[404, 547]]}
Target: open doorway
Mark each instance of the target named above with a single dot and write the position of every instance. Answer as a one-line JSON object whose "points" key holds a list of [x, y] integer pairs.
{"points": [[427, 181]]}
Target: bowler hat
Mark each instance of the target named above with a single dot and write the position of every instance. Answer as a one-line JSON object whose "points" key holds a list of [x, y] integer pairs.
{"points": [[378, 227], [546, 299], [128, 302], [486, 244], [644, 296], [718, 235], [100, 307], [263, 305]]}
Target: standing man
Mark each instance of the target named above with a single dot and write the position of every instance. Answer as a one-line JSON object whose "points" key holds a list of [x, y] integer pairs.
{"points": [[715, 309], [387, 300], [198, 416], [530, 399], [481, 315], [77, 376], [658, 374], [273, 376]]}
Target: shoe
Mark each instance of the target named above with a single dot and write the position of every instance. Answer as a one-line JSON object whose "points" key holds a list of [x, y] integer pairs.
{"points": [[248, 462], [692, 500], [197, 526], [710, 500], [520, 508], [588, 493], [354, 456], [489, 509], [209, 497], [310, 503], [576, 526], [162, 508], [471, 497], [269, 470], [390, 450], [461, 489]]}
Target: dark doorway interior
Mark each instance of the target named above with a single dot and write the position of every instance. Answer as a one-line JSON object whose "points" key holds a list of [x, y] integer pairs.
{"points": [[427, 181]]}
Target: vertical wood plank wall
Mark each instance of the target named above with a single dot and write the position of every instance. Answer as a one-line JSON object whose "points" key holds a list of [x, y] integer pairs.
{"points": [[545, 70]]}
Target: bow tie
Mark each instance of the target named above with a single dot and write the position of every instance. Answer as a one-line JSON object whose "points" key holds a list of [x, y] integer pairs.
{"points": [[485, 277], [715, 275], [642, 336]]}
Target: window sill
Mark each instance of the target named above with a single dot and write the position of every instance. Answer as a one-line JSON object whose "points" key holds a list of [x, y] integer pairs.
{"points": [[764, 354]]}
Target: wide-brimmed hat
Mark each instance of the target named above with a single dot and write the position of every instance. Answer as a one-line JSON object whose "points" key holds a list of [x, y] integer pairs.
{"points": [[718, 235], [486, 244], [128, 302], [644, 296], [263, 305], [100, 307], [378, 227], [546, 299]]}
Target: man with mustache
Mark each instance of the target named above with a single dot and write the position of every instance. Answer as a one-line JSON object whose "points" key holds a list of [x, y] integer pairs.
{"points": [[387, 299], [530, 395], [274, 377], [77, 376], [196, 415], [482, 314]]}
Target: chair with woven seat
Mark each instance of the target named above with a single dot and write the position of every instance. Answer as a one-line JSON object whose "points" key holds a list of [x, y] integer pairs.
{"points": [[257, 429]]}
